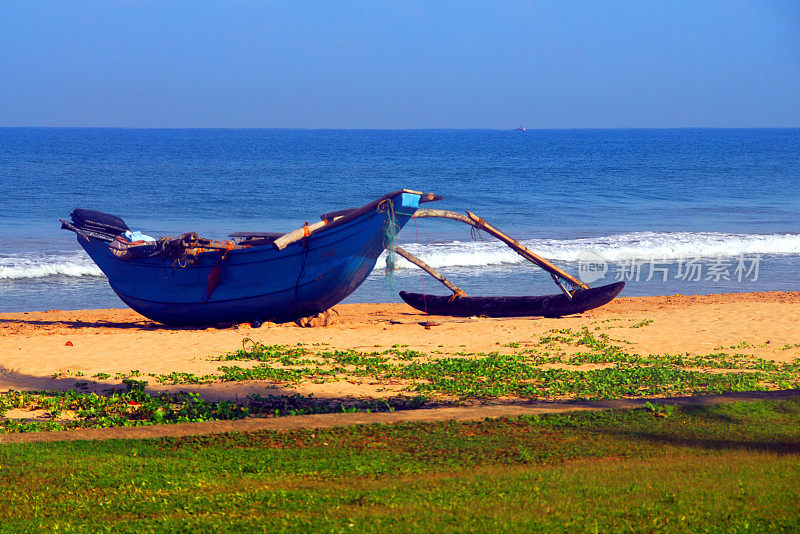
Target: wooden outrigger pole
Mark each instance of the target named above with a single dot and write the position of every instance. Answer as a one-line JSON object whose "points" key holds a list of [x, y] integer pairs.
{"points": [[479, 223], [459, 305], [457, 291]]}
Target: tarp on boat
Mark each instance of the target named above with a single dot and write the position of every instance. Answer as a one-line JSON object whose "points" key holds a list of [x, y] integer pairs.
{"points": [[99, 222]]}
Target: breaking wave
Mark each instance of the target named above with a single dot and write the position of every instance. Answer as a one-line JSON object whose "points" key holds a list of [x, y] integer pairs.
{"points": [[41, 266], [469, 254], [615, 248]]}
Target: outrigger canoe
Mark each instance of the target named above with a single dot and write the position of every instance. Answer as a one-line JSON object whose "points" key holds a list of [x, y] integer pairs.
{"points": [[577, 298], [255, 277], [557, 305]]}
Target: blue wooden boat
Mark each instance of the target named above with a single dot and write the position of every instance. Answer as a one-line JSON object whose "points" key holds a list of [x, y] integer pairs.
{"points": [[255, 278]]}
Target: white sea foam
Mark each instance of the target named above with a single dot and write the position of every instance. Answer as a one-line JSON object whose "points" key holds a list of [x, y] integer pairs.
{"points": [[634, 246], [480, 254], [40, 266]]}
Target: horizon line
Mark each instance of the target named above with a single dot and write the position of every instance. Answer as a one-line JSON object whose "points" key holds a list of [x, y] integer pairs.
{"points": [[297, 128]]}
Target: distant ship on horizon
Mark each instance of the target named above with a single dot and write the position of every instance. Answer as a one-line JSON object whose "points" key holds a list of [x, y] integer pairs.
{"points": [[520, 129]]}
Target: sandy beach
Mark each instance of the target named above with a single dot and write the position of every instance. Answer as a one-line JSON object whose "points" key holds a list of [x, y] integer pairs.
{"points": [[57, 349]]}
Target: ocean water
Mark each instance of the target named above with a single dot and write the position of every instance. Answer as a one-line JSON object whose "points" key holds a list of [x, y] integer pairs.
{"points": [[670, 211]]}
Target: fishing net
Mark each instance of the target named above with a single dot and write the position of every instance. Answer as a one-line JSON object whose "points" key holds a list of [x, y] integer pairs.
{"points": [[390, 231]]}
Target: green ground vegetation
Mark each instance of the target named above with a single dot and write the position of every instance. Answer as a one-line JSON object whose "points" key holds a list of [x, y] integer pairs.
{"points": [[728, 468], [559, 364], [132, 406], [552, 365]]}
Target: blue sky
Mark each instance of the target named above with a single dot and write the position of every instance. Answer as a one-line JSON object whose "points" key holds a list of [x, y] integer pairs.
{"points": [[399, 64]]}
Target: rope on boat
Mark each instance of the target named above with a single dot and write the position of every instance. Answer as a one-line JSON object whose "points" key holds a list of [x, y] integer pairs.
{"points": [[390, 231]]}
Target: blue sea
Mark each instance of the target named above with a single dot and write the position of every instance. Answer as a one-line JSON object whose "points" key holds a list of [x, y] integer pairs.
{"points": [[690, 211]]}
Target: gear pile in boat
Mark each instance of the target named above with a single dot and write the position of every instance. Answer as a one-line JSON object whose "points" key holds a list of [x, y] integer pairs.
{"points": [[127, 245]]}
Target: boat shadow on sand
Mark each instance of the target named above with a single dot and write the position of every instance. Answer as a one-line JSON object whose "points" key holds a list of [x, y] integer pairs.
{"points": [[135, 324]]}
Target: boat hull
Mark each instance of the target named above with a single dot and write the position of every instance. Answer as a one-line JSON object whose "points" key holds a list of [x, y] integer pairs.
{"points": [[543, 306], [256, 284]]}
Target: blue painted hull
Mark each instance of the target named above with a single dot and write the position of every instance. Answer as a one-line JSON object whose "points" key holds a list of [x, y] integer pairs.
{"points": [[257, 284]]}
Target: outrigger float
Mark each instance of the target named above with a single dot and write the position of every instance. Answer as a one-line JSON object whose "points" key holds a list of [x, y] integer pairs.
{"points": [[577, 298], [256, 277]]}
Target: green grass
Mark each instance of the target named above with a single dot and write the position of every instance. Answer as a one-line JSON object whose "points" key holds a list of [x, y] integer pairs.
{"points": [[730, 468]]}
